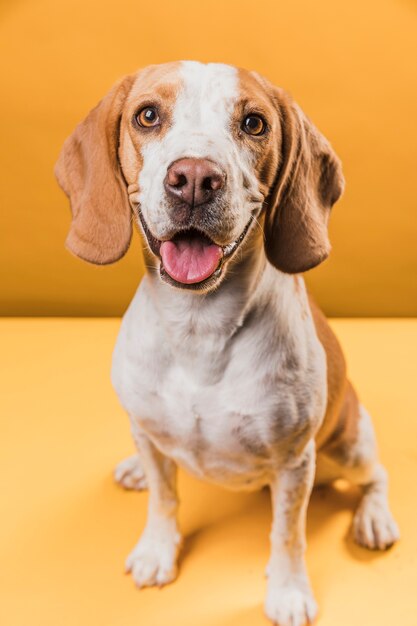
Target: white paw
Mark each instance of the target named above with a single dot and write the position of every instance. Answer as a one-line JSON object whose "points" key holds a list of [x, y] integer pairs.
{"points": [[154, 559], [373, 525], [290, 605], [129, 474]]}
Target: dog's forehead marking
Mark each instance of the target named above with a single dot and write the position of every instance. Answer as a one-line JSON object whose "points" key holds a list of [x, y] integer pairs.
{"points": [[202, 113], [207, 94]]}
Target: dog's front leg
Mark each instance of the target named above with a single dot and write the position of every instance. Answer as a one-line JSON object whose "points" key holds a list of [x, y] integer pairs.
{"points": [[154, 559], [289, 600]]}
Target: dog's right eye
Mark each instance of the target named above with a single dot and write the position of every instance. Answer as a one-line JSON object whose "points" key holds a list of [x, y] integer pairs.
{"points": [[147, 117], [254, 125]]}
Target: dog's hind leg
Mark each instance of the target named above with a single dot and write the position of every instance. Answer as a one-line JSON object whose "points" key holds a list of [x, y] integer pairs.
{"points": [[129, 473], [354, 457], [373, 524]]}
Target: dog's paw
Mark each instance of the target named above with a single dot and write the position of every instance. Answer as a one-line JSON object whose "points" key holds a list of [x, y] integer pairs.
{"points": [[154, 559], [373, 525], [290, 605], [129, 474]]}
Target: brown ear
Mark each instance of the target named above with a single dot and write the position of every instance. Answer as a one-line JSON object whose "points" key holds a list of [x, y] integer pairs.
{"points": [[88, 171], [308, 183]]}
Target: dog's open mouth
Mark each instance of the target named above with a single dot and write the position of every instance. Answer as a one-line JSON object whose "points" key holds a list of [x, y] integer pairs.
{"points": [[191, 259]]}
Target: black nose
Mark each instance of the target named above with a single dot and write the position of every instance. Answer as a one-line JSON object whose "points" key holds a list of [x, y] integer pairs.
{"points": [[195, 181]]}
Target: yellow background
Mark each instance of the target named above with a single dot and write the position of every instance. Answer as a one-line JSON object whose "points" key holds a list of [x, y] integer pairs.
{"points": [[352, 66]]}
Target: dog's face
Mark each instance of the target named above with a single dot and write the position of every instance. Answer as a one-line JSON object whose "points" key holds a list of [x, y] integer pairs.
{"points": [[199, 148], [203, 155]]}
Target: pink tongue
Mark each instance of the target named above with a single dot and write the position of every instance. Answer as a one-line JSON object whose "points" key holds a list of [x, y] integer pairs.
{"points": [[190, 260]]}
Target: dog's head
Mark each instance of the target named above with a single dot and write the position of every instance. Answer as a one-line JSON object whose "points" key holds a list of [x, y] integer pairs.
{"points": [[203, 155]]}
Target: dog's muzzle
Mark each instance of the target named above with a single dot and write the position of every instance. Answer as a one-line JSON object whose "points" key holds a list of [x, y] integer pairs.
{"points": [[190, 258]]}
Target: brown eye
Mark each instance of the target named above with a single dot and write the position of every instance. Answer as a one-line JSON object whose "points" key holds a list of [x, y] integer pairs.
{"points": [[148, 117], [254, 125]]}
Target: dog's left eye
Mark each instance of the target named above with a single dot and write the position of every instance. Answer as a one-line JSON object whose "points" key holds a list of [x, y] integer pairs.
{"points": [[254, 125], [147, 117]]}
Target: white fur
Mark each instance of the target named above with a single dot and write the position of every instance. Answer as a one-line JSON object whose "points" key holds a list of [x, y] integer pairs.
{"points": [[129, 473]]}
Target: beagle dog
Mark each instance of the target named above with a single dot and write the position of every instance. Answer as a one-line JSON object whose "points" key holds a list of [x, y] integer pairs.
{"points": [[223, 362]]}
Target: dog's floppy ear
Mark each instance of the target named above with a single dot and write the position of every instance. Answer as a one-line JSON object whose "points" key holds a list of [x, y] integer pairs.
{"points": [[309, 181], [88, 171]]}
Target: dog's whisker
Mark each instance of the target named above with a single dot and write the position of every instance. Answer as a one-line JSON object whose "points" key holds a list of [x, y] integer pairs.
{"points": [[259, 225]]}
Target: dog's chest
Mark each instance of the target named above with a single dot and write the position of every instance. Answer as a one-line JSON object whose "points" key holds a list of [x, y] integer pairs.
{"points": [[226, 410], [217, 431]]}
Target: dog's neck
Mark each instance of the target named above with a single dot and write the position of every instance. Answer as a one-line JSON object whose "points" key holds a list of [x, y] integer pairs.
{"points": [[220, 313]]}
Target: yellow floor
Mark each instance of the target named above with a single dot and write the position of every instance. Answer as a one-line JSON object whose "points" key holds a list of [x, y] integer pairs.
{"points": [[66, 527]]}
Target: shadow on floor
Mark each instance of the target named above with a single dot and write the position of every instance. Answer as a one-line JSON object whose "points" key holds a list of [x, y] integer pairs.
{"points": [[255, 508]]}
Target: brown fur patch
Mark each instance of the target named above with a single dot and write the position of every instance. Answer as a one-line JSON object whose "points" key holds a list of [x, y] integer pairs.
{"points": [[342, 413], [298, 172], [308, 182], [103, 154], [88, 171], [341, 442], [158, 86], [265, 149]]}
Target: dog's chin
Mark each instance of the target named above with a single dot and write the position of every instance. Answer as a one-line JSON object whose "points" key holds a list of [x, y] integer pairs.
{"points": [[190, 259]]}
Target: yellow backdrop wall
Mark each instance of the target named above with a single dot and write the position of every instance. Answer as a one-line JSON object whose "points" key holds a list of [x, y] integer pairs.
{"points": [[351, 65]]}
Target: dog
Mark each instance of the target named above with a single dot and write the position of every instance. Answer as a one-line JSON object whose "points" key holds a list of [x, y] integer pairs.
{"points": [[224, 363]]}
